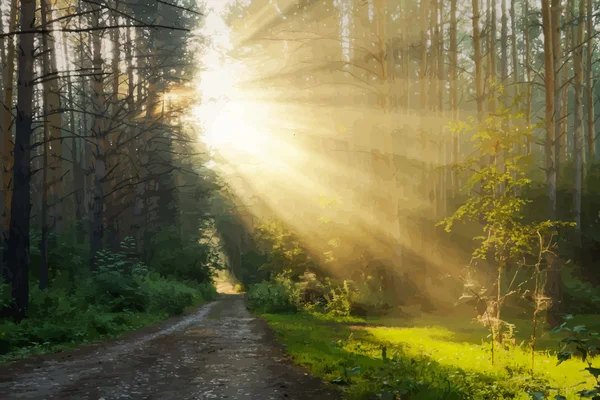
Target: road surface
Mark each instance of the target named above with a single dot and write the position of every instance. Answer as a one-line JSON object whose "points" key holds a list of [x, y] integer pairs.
{"points": [[218, 352]]}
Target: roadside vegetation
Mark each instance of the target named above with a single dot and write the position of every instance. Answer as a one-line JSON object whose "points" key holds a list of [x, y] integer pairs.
{"points": [[518, 321], [120, 295]]}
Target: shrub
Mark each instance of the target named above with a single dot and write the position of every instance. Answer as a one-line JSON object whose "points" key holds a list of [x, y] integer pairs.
{"points": [[339, 299], [277, 296], [169, 296], [184, 260]]}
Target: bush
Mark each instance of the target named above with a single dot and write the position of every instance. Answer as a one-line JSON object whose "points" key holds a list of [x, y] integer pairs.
{"points": [[79, 305], [278, 296], [170, 296], [183, 260], [339, 299]]}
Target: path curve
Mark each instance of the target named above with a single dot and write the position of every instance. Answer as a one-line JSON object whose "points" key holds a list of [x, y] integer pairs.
{"points": [[218, 352]]}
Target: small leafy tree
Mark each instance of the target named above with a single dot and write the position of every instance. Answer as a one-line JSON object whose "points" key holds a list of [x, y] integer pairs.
{"points": [[495, 207]]}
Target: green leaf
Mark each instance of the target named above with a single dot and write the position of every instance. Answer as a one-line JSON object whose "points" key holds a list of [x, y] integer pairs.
{"points": [[588, 394], [560, 397], [580, 329], [536, 395], [594, 371], [563, 356]]}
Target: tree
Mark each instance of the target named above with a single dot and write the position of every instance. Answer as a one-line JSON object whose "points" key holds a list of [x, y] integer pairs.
{"points": [[17, 252]]}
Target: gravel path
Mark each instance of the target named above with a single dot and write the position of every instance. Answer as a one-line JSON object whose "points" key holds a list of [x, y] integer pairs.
{"points": [[218, 352]]}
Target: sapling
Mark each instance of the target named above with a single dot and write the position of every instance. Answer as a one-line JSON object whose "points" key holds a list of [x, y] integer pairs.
{"points": [[496, 207]]}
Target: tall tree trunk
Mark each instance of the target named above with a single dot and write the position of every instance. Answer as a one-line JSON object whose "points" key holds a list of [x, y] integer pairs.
{"points": [[6, 117], [454, 93], [17, 253], [555, 12], [99, 133], [424, 10], [589, 83], [553, 283], [47, 88], [514, 50], [578, 120], [549, 122], [477, 60], [504, 47], [493, 71], [528, 86], [75, 150], [54, 125], [565, 89], [80, 177]]}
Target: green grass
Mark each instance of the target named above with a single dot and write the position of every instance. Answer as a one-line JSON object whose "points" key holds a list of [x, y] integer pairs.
{"points": [[429, 357], [58, 322]]}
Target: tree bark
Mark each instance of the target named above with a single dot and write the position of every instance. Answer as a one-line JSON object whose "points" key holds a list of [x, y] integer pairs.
{"points": [[578, 120], [6, 117], [565, 90], [454, 93], [589, 83], [46, 71], [477, 60], [17, 254], [527, 73], [555, 11], [98, 132], [549, 122]]}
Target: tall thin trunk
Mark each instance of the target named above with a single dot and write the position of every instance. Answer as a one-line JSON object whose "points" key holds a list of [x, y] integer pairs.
{"points": [[565, 89], [589, 83], [454, 93], [504, 46], [6, 116], [75, 152], [578, 122], [549, 122], [555, 11], [492, 59], [17, 253], [46, 72], [477, 59], [80, 177], [424, 9], [98, 132], [2, 60], [528, 86], [553, 283], [514, 50]]}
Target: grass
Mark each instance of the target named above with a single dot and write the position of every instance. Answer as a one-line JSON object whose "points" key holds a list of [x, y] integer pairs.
{"points": [[50, 331], [429, 357]]}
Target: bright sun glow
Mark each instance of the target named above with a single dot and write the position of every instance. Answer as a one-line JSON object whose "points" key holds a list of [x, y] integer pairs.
{"points": [[281, 146]]}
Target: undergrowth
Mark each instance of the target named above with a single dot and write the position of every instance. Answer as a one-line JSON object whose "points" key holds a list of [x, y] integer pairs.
{"points": [[81, 306], [426, 362]]}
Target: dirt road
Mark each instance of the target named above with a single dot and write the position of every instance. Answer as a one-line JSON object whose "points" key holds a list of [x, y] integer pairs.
{"points": [[218, 352]]}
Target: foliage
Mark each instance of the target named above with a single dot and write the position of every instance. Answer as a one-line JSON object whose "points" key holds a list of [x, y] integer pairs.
{"points": [[440, 358], [339, 299], [79, 306], [583, 343], [276, 296], [284, 250], [184, 259], [495, 203]]}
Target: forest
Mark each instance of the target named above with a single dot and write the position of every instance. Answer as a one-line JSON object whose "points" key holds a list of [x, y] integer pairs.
{"points": [[407, 192]]}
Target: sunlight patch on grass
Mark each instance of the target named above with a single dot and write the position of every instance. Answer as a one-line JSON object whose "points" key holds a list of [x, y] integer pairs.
{"points": [[429, 360]]}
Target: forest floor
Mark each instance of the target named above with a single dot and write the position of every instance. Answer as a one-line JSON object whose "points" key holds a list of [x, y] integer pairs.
{"points": [[446, 356], [219, 351]]}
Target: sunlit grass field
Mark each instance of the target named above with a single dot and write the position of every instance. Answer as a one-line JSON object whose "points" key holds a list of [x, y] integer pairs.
{"points": [[429, 357]]}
